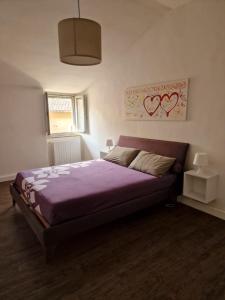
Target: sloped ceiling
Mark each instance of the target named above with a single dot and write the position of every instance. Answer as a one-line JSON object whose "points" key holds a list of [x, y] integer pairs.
{"points": [[29, 41]]}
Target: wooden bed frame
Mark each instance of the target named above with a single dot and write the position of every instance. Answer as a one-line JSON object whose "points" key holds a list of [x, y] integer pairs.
{"points": [[51, 236]]}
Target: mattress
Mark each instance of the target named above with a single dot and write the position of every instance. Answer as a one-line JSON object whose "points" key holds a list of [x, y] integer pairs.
{"points": [[70, 191]]}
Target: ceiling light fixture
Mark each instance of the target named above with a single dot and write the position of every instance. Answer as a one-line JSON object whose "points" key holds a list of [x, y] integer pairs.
{"points": [[80, 41]]}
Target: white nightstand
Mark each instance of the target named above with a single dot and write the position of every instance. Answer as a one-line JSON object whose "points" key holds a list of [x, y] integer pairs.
{"points": [[200, 187], [103, 153]]}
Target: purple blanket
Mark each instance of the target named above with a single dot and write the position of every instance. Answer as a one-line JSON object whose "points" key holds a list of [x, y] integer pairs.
{"points": [[71, 191]]}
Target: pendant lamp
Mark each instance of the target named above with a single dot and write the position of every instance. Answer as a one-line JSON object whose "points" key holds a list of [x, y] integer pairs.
{"points": [[80, 41]]}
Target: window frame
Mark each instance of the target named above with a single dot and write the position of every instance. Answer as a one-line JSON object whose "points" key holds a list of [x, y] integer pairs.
{"points": [[75, 114]]}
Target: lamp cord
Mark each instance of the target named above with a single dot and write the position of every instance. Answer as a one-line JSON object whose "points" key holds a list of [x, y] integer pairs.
{"points": [[78, 3]]}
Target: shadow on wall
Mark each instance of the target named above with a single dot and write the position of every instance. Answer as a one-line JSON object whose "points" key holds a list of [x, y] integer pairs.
{"points": [[10, 75], [85, 151], [22, 122]]}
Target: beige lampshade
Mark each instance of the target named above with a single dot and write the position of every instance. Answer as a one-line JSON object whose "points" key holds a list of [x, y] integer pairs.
{"points": [[200, 159], [79, 42], [109, 142]]}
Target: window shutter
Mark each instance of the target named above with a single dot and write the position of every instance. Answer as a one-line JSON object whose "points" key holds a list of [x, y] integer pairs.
{"points": [[81, 113]]}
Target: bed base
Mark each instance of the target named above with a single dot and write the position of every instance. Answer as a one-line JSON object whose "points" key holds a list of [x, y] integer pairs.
{"points": [[51, 236]]}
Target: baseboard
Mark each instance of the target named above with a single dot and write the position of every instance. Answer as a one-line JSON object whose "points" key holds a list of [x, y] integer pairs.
{"points": [[216, 212], [7, 177]]}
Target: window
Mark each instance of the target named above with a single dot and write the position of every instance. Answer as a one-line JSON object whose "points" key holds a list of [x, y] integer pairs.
{"points": [[66, 114]]}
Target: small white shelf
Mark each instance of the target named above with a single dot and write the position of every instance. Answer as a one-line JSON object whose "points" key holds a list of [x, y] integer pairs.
{"points": [[200, 187]]}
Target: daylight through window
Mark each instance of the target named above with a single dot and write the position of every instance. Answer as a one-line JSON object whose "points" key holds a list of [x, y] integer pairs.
{"points": [[66, 114]]}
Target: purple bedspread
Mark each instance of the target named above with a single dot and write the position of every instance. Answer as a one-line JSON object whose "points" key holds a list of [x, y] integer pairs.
{"points": [[71, 191]]}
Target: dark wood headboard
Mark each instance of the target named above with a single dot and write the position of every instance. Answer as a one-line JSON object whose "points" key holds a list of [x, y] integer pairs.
{"points": [[166, 148]]}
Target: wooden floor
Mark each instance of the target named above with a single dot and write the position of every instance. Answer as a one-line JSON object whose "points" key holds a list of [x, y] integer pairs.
{"points": [[161, 254]]}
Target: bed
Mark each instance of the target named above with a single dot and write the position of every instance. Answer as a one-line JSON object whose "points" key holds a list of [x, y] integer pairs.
{"points": [[61, 201]]}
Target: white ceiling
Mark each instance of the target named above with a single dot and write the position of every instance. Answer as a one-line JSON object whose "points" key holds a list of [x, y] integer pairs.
{"points": [[29, 41]]}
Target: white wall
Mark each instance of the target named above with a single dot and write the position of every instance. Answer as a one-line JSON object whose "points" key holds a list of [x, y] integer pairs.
{"points": [[189, 42], [22, 124]]}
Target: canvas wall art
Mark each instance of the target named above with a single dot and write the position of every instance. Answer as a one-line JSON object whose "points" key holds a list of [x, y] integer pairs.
{"points": [[160, 101]]}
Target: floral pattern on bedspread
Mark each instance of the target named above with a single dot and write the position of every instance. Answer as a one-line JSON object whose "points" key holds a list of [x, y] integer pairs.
{"points": [[29, 187], [41, 177]]}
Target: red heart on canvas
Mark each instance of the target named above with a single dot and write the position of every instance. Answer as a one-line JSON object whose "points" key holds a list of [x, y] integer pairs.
{"points": [[151, 104], [169, 102]]}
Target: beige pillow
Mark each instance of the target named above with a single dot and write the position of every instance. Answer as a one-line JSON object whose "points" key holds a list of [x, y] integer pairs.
{"points": [[121, 155], [151, 163]]}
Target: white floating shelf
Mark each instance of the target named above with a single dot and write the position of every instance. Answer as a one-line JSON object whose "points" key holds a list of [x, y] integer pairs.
{"points": [[200, 187]]}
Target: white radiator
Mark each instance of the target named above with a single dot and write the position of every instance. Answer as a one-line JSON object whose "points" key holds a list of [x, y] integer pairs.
{"points": [[66, 151]]}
